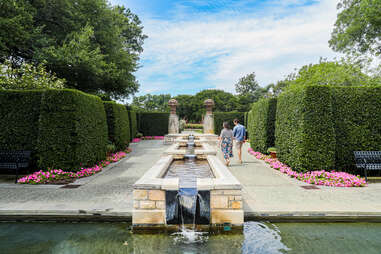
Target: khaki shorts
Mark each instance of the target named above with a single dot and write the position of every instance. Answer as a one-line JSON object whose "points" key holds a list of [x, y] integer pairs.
{"points": [[238, 144]]}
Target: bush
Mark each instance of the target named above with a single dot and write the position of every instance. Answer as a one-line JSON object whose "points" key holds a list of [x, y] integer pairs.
{"points": [[133, 124], [72, 130], [153, 124], [118, 124], [305, 136], [193, 126], [221, 117], [262, 127], [19, 114], [357, 117]]}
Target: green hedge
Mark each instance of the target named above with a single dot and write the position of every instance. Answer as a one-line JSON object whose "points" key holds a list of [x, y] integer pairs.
{"points": [[193, 126], [133, 124], [118, 124], [262, 127], [153, 124], [246, 117], [221, 117], [72, 130], [19, 114], [357, 117], [305, 135]]}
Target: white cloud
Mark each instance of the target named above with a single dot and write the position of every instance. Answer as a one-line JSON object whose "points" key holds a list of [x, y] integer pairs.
{"points": [[234, 46]]}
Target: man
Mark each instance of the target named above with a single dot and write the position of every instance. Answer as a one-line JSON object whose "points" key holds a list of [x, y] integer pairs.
{"points": [[239, 133]]}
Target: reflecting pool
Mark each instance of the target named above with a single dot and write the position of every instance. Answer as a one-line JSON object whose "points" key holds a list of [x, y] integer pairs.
{"points": [[72, 238]]}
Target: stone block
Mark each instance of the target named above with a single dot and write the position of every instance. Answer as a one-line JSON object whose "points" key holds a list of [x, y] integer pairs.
{"points": [[217, 192], [136, 204], [148, 217], [140, 194], [237, 197], [234, 217], [231, 198], [156, 195], [219, 201], [236, 204], [232, 192], [147, 204], [160, 204]]}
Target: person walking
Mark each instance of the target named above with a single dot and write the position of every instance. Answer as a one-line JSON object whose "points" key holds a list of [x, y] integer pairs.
{"points": [[226, 142], [239, 133]]}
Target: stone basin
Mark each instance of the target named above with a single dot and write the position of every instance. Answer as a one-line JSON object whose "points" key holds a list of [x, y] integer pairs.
{"points": [[150, 195]]}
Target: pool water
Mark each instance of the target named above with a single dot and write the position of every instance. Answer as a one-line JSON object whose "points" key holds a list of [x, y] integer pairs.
{"points": [[258, 237]]}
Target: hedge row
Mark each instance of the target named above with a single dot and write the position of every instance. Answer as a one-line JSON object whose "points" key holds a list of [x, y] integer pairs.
{"points": [[262, 124], [72, 130], [63, 128], [133, 124], [304, 128], [19, 115], [118, 124], [221, 117], [153, 124], [319, 127], [357, 118]]}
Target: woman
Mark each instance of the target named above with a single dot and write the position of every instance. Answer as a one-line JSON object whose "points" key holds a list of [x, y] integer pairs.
{"points": [[226, 142]]}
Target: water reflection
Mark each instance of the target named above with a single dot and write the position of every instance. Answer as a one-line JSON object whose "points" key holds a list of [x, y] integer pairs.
{"points": [[17, 238]]}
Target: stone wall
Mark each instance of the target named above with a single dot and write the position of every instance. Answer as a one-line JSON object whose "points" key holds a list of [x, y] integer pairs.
{"points": [[226, 207], [149, 207]]}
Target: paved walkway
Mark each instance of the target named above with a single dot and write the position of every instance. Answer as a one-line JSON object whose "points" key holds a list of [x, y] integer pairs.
{"points": [[270, 192], [266, 192], [108, 192]]}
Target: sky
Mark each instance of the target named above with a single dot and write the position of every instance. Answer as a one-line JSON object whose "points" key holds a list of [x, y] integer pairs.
{"points": [[194, 45]]}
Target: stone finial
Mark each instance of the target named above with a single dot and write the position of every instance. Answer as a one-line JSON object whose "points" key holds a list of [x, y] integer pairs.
{"points": [[209, 103], [172, 103]]}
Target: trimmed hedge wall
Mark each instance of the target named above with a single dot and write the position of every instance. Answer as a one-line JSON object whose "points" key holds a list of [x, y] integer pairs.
{"points": [[19, 114], [63, 128], [319, 127], [72, 130], [153, 124], [262, 127], [118, 124], [357, 117], [305, 135], [221, 117], [133, 123]]}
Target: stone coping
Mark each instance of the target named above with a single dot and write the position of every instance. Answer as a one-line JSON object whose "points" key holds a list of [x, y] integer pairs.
{"points": [[153, 178], [203, 149]]}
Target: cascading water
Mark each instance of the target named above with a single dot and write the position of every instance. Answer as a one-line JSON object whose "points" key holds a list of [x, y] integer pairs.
{"points": [[189, 205]]}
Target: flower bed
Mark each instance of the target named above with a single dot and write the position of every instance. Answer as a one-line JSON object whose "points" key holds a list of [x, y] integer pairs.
{"points": [[59, 176], [320, 177], [137, 140]]}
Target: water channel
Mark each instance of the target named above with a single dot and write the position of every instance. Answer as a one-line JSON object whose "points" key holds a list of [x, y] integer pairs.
{"points": [[258, 237]]}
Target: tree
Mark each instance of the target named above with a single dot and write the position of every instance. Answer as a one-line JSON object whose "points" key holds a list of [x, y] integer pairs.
{"points": [[93, 45], [333, 73], [150, 102], [358, 27], [28, 76], [247, 85]]}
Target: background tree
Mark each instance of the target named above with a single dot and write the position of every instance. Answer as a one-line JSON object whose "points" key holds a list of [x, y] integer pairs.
{"points": [[93, 45], [358, 27], [28, 76], [333, 73], [150, 102]]}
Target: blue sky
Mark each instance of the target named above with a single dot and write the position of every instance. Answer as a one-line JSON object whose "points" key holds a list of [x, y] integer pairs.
{"points": [[198, 44]]}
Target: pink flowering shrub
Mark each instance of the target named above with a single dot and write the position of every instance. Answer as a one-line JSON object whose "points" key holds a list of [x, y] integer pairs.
{"points": [[60, 176], [322, 177]]}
